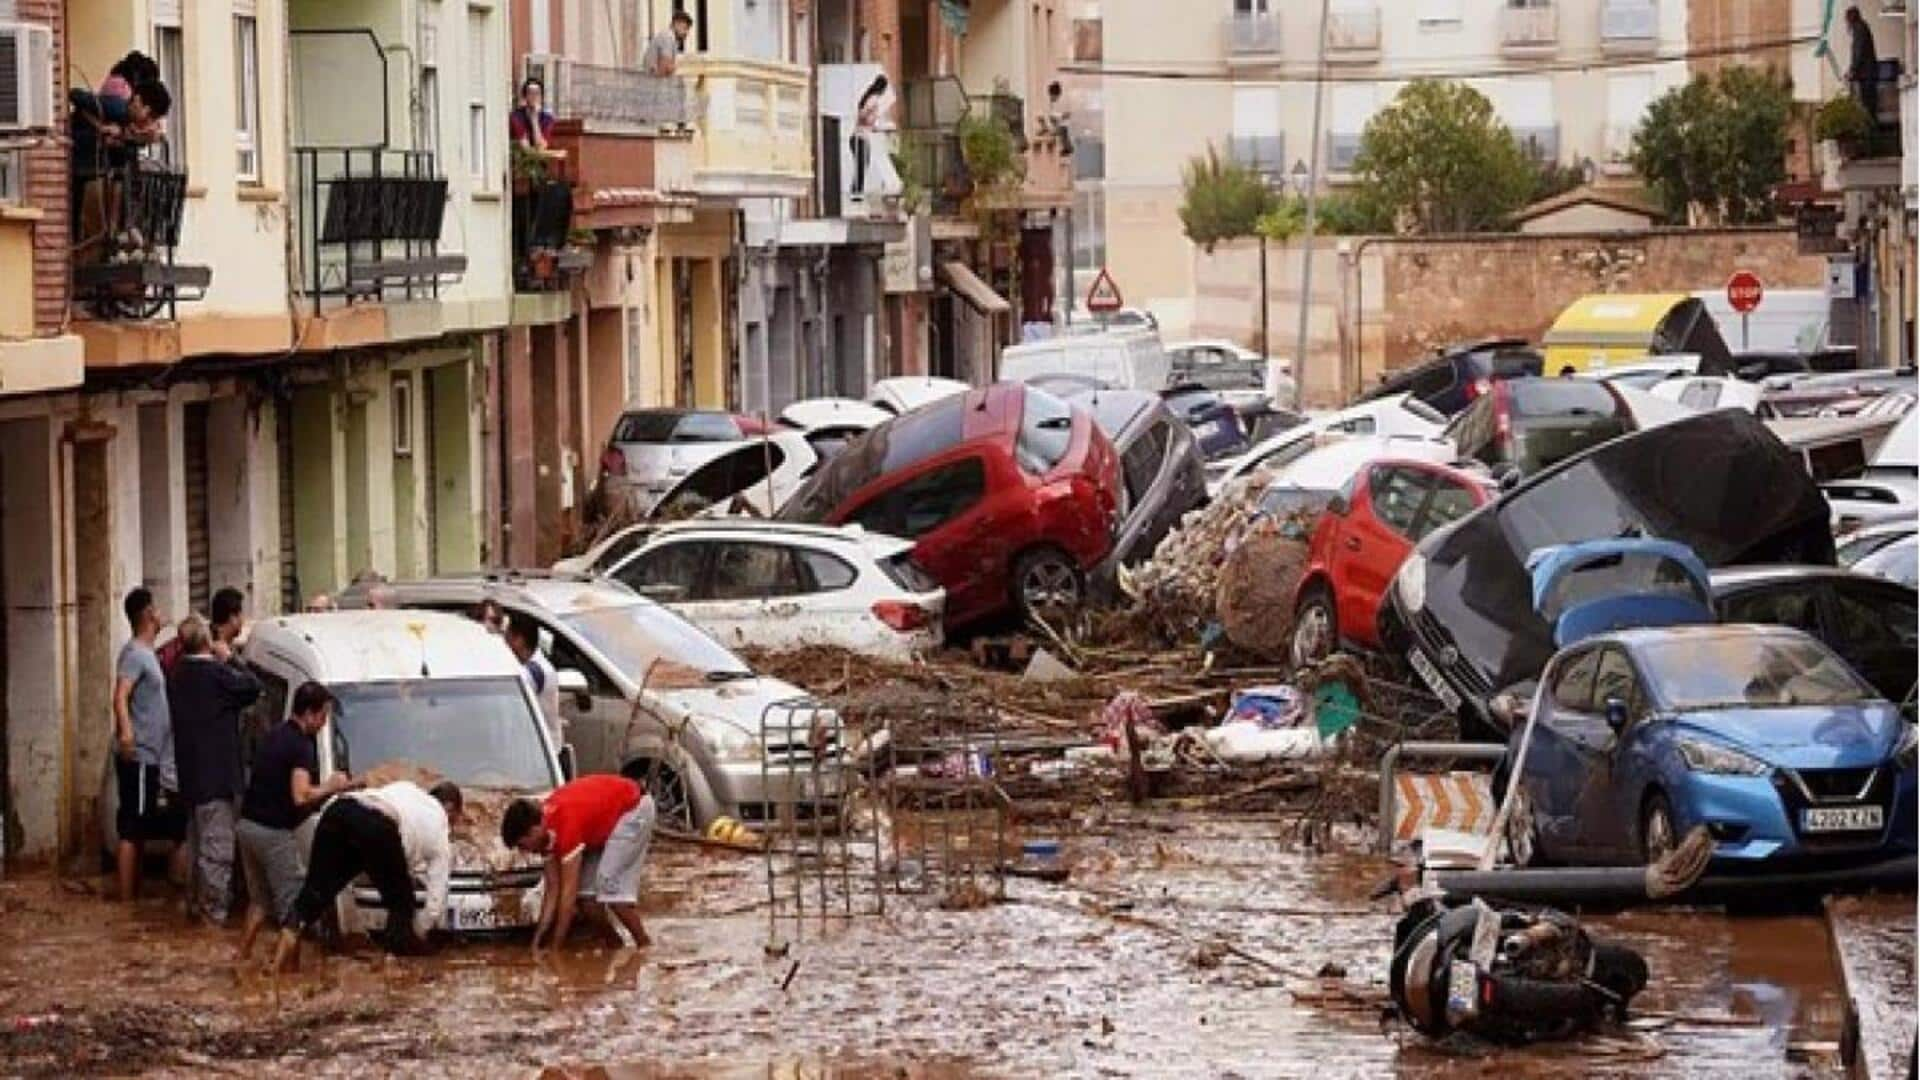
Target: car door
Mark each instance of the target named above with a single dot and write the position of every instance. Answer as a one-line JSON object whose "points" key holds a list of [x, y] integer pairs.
{"points": [[958, 537], [753, 596], [1374, 539], [1872, 627], [1609, 810], [595, 728], [1559, 759]]}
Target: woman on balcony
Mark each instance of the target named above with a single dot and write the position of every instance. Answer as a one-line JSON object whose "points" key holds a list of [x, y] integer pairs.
{"points": [[872, 142]]}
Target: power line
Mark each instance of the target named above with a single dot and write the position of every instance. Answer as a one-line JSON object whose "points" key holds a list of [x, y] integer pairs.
{"points": [[1334, 75]]}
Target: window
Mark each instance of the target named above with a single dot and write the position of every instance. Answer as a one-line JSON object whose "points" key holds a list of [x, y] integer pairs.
{"points": [[1396, 495], [170, 52], [1795, 606], [1701, 394], [1141, 463], [934, 498], [1873, 618], [754, 572], [403, 415], [1256, 141], [1089, 221], [829, 572], [668, 573], [1046, 430], [1628, 96], [246, 97], [478, 79], [1449, 504], [13, 176], [1573, 689]]}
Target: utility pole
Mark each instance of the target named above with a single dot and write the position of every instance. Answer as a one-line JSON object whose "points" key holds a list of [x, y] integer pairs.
{"points": [[1266, 351], [1313, 200]]}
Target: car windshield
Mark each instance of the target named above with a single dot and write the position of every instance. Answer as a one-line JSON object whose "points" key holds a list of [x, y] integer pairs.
{"points": [[1751, 671], [1561, 397], [635, 637], [890, 447], [1541, 443], [650, 426], [480, 732]]}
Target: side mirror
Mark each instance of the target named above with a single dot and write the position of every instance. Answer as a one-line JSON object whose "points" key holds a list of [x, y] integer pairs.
{"points": [[567, 768], [1616, 715], [573, 683], [1337, 506]]}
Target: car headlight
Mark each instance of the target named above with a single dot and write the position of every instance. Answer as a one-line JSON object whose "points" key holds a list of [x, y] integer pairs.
{"points": [[731, 742], [1410, 584], [1706, 757], [1904, 751]]}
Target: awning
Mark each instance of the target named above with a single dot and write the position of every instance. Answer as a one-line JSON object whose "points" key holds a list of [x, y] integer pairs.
{"points": [[976, 292]]}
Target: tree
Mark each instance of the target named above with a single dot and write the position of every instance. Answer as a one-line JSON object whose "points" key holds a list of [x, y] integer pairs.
{"points": [[1711, 151], [1440, 161], [1221, 199]]}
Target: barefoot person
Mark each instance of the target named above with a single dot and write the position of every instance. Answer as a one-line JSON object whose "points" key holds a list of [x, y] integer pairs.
{"points": [[598, 827], [391, 834]]}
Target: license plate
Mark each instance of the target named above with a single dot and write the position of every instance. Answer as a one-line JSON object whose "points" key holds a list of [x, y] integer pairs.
{"points": [[1463, 990], [460, 920], [1431, 676], [1840, 819]]}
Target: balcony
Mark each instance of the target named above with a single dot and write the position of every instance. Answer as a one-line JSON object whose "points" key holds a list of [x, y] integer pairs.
{"points": [[129, 225], [935, 169], [543, 224], [369, 224], [1252, 36], [625, 177], [1529, 31], [1629, 27], [1353, 35], [613, 99], [750, 120]]}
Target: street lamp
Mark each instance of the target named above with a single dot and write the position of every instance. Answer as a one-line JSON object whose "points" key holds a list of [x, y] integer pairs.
{"points": [[1298, 178]]}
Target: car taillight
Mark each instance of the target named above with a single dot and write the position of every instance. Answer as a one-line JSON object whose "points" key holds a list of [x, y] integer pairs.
{"points": [[613, 463], [900, 615]]}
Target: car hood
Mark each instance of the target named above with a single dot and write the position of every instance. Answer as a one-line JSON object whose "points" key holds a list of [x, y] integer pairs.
{"points": [[742, 702], [1601, 585], [1719, 483], [1809, 737]]}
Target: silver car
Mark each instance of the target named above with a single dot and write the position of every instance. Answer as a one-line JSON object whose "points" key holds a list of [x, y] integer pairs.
{"points": [[651, 450]]}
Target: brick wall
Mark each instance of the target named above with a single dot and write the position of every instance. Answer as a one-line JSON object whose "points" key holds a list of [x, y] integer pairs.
{"points": [[46, 184]]}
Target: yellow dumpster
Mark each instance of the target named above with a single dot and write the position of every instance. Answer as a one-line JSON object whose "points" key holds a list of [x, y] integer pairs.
{"points": [[1609, 330]]}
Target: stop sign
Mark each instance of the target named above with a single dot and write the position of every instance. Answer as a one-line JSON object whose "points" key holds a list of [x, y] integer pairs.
{"points": [[1744, 291]]}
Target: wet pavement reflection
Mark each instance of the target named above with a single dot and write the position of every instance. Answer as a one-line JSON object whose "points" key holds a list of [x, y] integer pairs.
{"points": [[1171, 952]]}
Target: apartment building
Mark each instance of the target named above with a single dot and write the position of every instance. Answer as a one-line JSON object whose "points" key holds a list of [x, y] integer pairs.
{"points": [[1571, 78]]}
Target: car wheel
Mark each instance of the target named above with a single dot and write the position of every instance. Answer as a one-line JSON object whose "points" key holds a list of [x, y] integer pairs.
{"points": [[1657, 836], [1316, 629], [1523, 832], [673, 801], [1047, 585]]}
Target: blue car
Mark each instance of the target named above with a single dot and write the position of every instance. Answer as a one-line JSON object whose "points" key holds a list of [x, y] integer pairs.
{"points": [[1652, 720]]}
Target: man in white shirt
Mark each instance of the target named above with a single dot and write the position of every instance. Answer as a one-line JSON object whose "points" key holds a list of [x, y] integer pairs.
{"points": [[524, 639], [391, 834]]}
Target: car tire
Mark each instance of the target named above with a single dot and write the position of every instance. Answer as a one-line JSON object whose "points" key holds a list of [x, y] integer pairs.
{"points": [[681, 798], [1657, 835], [1046, 583], [1316, 627]]}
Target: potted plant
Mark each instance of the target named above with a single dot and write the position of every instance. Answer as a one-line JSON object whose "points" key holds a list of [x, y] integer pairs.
{"points": [[1844, 122]]}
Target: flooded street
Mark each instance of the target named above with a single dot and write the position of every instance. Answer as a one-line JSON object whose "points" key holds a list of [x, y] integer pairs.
{"points": [[1176, 949]]}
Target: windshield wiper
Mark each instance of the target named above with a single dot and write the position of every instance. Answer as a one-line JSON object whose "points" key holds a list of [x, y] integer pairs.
{"points": [[728, 676]]}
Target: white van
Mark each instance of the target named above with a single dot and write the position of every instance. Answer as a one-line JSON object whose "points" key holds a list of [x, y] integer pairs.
{"points": [[434, 691], [1123, 359]]}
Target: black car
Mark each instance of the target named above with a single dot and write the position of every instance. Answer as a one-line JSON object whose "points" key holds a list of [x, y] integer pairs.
{"points": [[1160, 467], [1524, 425], [1215, 423], [1457, 376], [1720, 483], [1870, 622]]}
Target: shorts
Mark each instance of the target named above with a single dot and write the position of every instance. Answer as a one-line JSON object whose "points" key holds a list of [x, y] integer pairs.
{"points": [[615, 869], [270, 859], [146, 812]]}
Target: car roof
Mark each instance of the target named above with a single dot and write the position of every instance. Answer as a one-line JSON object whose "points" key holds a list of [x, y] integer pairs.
{"points": [[370, 646], [880, 545], [559, 594], [1117, 410], [1640, 636], [1730, 577]]}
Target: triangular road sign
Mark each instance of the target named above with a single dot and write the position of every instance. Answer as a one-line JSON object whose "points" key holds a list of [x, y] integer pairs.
{"points": [[1103, 297]]}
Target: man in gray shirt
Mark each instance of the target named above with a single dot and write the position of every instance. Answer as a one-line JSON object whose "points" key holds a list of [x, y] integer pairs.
{"points": [[143, 743], [663, 51]]}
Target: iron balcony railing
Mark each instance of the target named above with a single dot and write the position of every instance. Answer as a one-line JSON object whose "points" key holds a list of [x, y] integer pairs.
{"points": [[542, 224], [612, 97], [369, 222], [1353, 29], [127, 220], [1629, 25], [1253, 33], [931, 110], [1529, 28]]}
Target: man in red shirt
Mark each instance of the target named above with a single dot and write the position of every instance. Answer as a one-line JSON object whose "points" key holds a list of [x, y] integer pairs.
{"points": [[598, 826]]}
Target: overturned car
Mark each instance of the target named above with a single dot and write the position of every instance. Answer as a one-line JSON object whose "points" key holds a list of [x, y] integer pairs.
{"points": [[1461, 606]]}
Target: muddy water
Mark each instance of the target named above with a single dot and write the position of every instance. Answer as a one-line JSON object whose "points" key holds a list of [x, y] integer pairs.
{"points": [[1121, 972]]}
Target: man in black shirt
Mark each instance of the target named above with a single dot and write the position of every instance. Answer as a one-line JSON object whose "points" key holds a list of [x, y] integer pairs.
{"points": [[281, 793], [1863, 69], [205, 696]]}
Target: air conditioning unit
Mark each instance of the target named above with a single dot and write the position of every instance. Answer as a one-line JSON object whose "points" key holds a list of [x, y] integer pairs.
{"points": [[26, 77]]}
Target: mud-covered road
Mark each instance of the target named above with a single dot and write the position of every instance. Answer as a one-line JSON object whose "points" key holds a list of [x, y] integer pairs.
{"points": [[1181, 947]]}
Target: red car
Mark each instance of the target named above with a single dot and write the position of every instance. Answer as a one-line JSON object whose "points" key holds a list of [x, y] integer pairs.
{"points": [[1360, 542], [1010, 495]]}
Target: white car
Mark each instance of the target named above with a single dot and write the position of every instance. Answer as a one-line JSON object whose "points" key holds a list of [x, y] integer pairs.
{"points": [[1888, 489], [1647, 373], [1243, 378], [778, 585], [905, 393], [1709, 392], [755, 477], [432, 691], [647, 694], [1849, 548], [1401, 414], [831, 423], [1313, 478]]}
